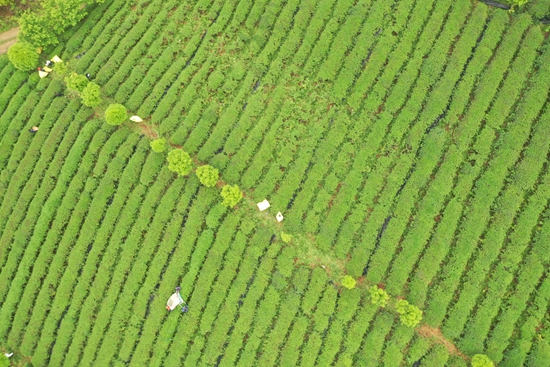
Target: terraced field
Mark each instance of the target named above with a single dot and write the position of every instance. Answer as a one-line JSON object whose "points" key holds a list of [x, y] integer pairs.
{"points": [[405, 142]]}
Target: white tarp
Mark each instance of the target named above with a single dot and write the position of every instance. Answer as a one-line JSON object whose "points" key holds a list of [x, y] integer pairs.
{"points": [[42, 74], [174, 301], [136, 119], [279, 216], [263, 205], [56, 59]]}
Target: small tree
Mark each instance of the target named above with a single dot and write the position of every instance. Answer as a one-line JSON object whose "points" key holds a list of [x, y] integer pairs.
{"points": [[410, 315], [91, 95], [179, 162], [23, 56], [378, 296], [286, 237], [349, 282], [481, 360], [158, 145], [116, 114], [76, 82], [208, 175], [231, 195]]}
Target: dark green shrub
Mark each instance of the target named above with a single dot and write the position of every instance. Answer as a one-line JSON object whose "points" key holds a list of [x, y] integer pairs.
{"points": [[23, 56]]}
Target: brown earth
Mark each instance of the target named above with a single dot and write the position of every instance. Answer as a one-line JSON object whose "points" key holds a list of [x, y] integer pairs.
{"points": [[7, 39], [436, 335]]}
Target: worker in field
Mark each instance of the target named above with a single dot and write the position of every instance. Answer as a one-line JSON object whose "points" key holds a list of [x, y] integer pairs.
{"points": [[33, 129]]}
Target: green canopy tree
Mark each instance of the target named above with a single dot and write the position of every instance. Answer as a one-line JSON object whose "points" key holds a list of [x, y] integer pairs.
{"points": [[91, 95], [349, 282], [208, 175], [158, 145], [116, 114], [180, 162], [481, 360], [410, 315], [231, 195], [23, 56], [76, 82], [378, 296]]}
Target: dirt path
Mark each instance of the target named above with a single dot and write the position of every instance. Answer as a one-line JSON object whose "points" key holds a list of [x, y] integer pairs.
{"points": [[436, 335], [7, 39]]}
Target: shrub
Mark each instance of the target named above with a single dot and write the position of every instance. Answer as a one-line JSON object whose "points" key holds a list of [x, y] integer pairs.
{"points": [[231, 195], [207, 175], [116, 114], [179, 162], [349, 282], [158, 145], [4, 361], [481, 360], [61, 68], [410, 315], [286, 237], [378, 296], [91, 95], [76, 82], [23, 56]]}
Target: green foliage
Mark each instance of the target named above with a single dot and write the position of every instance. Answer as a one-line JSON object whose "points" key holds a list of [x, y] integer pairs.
{"points": [[41, 26], [208, 175], [231, 195], [116, 114], [23, 56], [349, 282], [286, 237], [4, 361], [518, 2], [410, 315], [378, 296], [180, 162], [61, 68], [76, 82], [158, 145], [215, 80], [34, 28], [481, 360], [91, 95]]}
